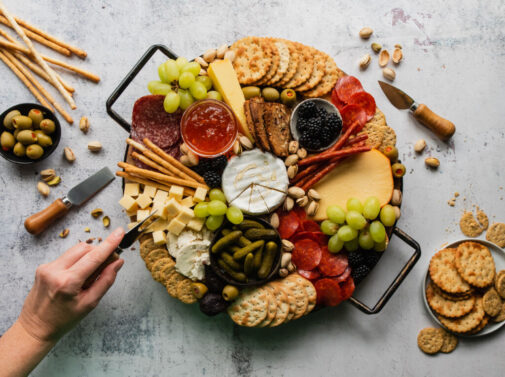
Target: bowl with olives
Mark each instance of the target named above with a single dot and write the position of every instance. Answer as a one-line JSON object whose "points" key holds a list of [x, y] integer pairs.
{"points": [[28, 133]]}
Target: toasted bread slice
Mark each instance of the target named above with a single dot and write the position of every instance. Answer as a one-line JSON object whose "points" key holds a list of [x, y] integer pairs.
{"points": [[249, 120], [276, 121], [257, 107]]}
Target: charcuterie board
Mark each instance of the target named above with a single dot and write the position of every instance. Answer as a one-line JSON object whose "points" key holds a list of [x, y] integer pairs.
{"points": [[275, 177]]}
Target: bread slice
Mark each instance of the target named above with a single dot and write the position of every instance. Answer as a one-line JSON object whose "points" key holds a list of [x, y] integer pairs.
{"points": [[257, 107], [276, 123]]}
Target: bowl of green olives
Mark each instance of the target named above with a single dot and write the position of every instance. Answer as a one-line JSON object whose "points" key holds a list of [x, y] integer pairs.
{"points": [[29, 133]]}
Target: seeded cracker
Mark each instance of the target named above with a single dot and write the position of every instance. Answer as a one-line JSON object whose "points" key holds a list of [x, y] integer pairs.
{"points": [[154, 255], [491, 302], [500, 286], [448, 308], [444, 274], [253, 57], [501, 316], [275, 63], [146, 247], [304, 69], [159, 265], [482, 219], [294, 60], [475, 264], [331, 74], [283, 305], [469, 225], [481, 325], [250, 308], [283, 51], [317, 72], [389, 139], [300, 295], [173, 279], [430, 340], [496, 234], [309, 290], [375, 128], [272, 306], [450, 342], [466, 323], [184, 292], [165, 273]]}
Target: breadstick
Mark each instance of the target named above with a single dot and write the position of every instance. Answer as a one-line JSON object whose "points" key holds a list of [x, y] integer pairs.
{"points": [[80, 53], [160, 152], [151, 163], [25, 81], [38, 58], [34, 81], [133, 178], [158, 176]]}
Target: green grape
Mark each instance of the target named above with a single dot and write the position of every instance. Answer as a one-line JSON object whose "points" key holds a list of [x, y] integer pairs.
{"points": [[201, 209], [206, 81], [355, 220], [217, 208], [380, 246], [181, 62], [214, 222], [351, 245], [192, 67], [371, 208], [335, 244], [346, 233], [186, 99], [168, 71], [214, 95], [217, 194], [186, 79], [354, 204], [329, 228], [377, 231], [158, 87], [336, 214], [234, 215], [171, 102], [388, 215], [197, 90], [365, 240]]}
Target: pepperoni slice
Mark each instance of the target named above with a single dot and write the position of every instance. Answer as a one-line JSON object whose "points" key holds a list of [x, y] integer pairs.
{"points": [[344, 275], [311, 275], [319, 237], [352, 113], [306, 255], [288, 225], [300, 212], [332, 264], [310, 226], [328, 292], [346, 86], [347, 288], [365, 101], [337, 101]]}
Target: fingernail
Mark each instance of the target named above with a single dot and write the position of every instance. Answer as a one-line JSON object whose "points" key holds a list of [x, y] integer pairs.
{"points": [[118, 232], [118, 265]]}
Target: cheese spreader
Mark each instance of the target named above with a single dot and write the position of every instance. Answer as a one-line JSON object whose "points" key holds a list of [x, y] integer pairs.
{"points": [[78, 195], [441, 127]]}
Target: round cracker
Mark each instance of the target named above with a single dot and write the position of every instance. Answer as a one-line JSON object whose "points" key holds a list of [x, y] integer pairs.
{"points": [[475, 264], [253, 57], [154, 255], [389, 139], [250, 308], [430, 340], [289, 297], [165, 273], [282, 306], [317, 72], [445, 307], [184, 291], [451, 296], [500, 286], [331, 75], [173, 279], [294, 61], [467, 322], [272, 307], [501, 316], [146, 247], [145, 237], [444, 274], [284, 61], [309, 289], [375, 129], [450, 342], [275, 63], [159, 265], [496, 234], [481, 325], [304, 69], [299, 294], [491, 302]]}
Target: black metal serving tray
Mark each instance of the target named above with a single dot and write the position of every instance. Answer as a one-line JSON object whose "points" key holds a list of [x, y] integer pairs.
{"points": [[402, 274]]}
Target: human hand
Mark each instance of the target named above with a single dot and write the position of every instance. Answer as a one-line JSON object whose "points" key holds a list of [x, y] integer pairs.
{"points": [[57, 300]]}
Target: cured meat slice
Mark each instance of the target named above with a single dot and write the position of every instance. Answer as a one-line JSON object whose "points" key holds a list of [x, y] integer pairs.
{"points": [[352, 113], [346, 86], [288, 224], [320, 238], [310, 226], [328, 292], [337, 101], [300, 212], [306, 255], [332, 264], [311, 275], [347, 288], [365, 101], [344, 275]]}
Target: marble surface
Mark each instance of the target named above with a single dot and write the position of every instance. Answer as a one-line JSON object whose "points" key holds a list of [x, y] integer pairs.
{"points": [[454, 62]]}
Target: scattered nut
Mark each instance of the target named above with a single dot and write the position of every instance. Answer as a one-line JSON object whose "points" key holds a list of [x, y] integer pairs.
{"points": [[209, 55], [296, 192], [47, 174], [389, 74], [303, 201], [398, 213], [283, 272], [43, 189], [193, 158], [203, 72], [288, 205], [84, 124], [237, 148], [185, 160], [274, 220], [302, 153], [184, 148], [383, 58], [365, 33], [106, 221], [55, 181], [365, 60], [202, 62], [95, 146], [90, 240], [396, 199], [419, 146], [293, 146], [292, 159], [376, 47], [291, 267], [432, 162], [287, 245], [398, 46], [312, 209], [292, 171], [97, 212], [397, 55], [285, 259], [245, 142], [314, 195], [230, 55], [64, 233], [87, 230], [69, 154], [221, 51]]}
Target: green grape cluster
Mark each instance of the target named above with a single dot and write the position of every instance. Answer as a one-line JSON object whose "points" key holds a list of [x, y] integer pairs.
{"points": [[181, 84], [216, 209], [362, 226]]}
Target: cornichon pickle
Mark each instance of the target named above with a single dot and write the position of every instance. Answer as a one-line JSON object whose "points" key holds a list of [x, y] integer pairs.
{"points": [[242, 241], [268, 260], [258, 256], [225, 232], [22, 122], [234, 248], [226, 240], [251, 91], [239, 254], [239, 276], [231, 262], [249, 264], [248, 224], [260, 234]]}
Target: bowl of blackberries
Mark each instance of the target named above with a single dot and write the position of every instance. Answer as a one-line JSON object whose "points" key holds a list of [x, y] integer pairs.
{"points": [[316, 124]]}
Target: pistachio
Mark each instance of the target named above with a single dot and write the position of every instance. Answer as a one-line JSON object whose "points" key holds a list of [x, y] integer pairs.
{"points": [[106, 221], [302, 153], [432, 162], [221, 50], [95, 146], [87, 230], [389, 74], [185, 160], [97, 212], [64, 233], [293, 146], [202, 62], [419, 145], [230, 55], [376, 47], [291, 267], [53, 182], [397, 55], [203, 72], [288, 205], [287, 245], [303, 201], [314, 195], [296, 192], [184, 148], [292, 159], [292, 171], [364, 62], [274, 220], [193, 158], [312, 208], [209, 55], [84, 124], [245, 142], [396, 199], [285, 259], [47, 174], [69, 154], [398, 46], [283, 272], [43, 189], [365, 33], [398, 213], [383, 58], [237, 148]]}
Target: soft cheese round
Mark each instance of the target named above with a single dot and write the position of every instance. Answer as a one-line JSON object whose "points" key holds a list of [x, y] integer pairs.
{"points": [[256, 182]]}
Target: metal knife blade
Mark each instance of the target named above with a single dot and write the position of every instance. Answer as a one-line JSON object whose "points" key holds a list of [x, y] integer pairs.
{"points": [[131, 236], [90, 186], [397, 97]]}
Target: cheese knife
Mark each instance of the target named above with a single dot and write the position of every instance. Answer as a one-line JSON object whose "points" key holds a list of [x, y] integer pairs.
{"points": [[78, 195], [441, 127]]}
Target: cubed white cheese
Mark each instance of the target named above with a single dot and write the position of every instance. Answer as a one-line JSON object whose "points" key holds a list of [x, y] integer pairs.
{"points": [[131, 189], [176, 192], [176, 227], [142, 214], [159, 237], [196, 224], [128, 203], [144, 201], [161, 196], [188, 202], [132, 225], [200, 195], [185, 215], [171, 209], [149, 190]]}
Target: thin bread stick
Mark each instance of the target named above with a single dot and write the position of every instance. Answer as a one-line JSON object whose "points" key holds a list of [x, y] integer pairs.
{"points": [[133, 178], [135, 145], [25, 81], [34, 81], [80, 53], [38, 58], [160, 152], [150, 163]]}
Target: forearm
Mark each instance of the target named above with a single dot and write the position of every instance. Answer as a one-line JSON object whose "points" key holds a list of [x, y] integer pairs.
{"points": [[20, 352]]}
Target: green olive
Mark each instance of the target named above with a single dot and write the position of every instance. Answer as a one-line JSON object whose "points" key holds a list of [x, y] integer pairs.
{"points": [[16, 133], [22, 122], [270, 94], [398, 170], [36, 116], [288, 97], [251, 91], [44, 140], [34, 151], [230, 292], [7, 140], [199, 289], [8, 119], [48, 126], [19, 150], [27, 137], [391, 152]]}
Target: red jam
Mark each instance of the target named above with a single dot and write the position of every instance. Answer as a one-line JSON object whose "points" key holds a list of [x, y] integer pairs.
{"points": [[209, 128]]}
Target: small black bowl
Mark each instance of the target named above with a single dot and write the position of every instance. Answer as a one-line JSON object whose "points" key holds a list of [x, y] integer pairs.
{"points": [[251, 282], [24, 108]]}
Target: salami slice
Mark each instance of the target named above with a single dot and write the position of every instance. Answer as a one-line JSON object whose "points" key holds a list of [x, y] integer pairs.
{"points": [[337, 101], [288, 224], [300, 212], [310, 226], [352, 113], [347, 288], [344, 275], [328, 292], [365, 101], [332, 264], [346, 86], [318, 237], [311, 275], [306, 255]]}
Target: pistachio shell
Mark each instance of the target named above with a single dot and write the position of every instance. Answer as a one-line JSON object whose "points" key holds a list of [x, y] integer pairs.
{"points": [[383, 58], [366, 32], [397, 55]]}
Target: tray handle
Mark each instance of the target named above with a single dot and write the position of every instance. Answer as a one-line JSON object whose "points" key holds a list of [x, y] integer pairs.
{"points": [[379, 305], [129, 78]]}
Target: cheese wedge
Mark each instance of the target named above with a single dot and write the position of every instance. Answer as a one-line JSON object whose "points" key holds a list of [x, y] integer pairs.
{"points": [[225, 80]]}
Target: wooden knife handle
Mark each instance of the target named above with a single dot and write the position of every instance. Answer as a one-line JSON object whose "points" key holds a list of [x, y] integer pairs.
{"points": [[441, 127], [40, 221], [92, 278]]}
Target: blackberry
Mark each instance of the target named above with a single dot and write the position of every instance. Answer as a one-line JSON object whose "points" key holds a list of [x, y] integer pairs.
{"points": [[371, 258], [307, 109], [356, 258], [359, 273], [326, 136], [310, 141], [219, 163], [333, 122], [321, 112], [212, 178]]}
